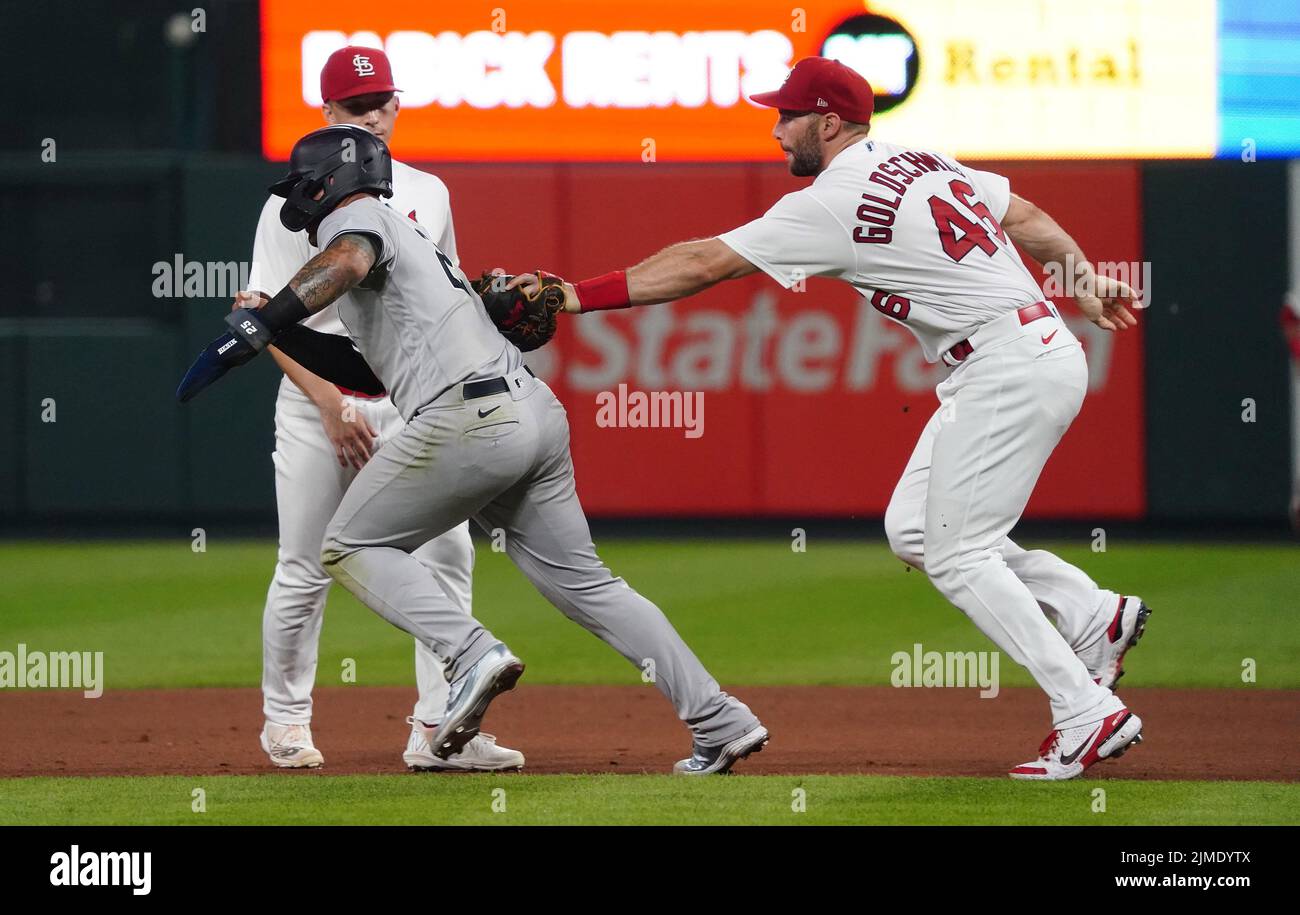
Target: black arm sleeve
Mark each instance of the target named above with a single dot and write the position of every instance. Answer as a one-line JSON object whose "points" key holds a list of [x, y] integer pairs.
{"points": [[284, 310], [330, 356]]}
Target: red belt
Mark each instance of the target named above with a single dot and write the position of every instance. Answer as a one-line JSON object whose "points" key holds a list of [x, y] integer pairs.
{"points": [[348, 392], [960, 351]]}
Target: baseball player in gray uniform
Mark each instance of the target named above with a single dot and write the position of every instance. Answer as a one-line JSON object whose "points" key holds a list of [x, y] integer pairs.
{"points": [[324, 434], [484, 438]]}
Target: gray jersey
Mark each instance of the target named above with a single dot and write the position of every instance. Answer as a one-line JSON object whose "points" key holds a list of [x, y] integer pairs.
{"points": [[418, 323], [501, 457]]}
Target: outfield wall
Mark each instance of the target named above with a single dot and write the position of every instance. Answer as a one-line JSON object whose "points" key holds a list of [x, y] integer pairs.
{"points": [[812, 401]]}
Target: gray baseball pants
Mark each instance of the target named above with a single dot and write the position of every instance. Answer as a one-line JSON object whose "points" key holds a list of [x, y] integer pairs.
{"points": [[504, 461]]}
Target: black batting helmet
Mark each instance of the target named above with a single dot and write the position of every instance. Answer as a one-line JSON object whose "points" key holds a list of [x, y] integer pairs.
{"points": [[340, 159]]}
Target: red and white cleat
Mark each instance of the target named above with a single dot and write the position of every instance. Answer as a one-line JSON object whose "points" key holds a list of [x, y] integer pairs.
{"points": [[1068, 754], [1105, 658]]}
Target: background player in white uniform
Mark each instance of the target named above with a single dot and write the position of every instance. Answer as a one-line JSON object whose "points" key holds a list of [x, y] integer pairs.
{"points": [[929, 242], [323, 436]]}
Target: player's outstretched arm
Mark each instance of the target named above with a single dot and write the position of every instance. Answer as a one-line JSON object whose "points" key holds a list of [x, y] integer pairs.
{"points": [[343, 264], [676, 272], [684, 269], [1103, 300]]}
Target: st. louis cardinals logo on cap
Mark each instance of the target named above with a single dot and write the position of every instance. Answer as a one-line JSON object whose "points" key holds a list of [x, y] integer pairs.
{"points": [[355, 70]]}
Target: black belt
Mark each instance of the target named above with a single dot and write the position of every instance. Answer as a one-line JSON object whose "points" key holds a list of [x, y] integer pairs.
{"points": [[488, 387]]}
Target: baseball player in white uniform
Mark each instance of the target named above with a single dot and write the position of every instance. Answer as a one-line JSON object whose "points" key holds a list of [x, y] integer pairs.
{"points": [[324, 435], [928, 242]]}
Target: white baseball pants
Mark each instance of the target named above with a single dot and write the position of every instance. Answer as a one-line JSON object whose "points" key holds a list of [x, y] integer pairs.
{"points": [[1001, 413], [309, 485]]}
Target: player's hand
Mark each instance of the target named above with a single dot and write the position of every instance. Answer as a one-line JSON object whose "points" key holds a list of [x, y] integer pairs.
{"points": [[531, 284], [348, 432], [1109, 307], [246, 299]]}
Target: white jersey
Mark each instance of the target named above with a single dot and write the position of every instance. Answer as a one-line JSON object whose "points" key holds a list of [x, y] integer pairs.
{"points": [[415, 318], [916, 233], [278, 253]]}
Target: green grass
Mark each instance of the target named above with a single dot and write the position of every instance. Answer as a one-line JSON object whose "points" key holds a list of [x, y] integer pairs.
{"points": [[302, 798], [756, 612]]}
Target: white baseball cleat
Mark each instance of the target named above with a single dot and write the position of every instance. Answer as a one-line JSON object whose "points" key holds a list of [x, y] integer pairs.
{"points": [[290, 746], [1067, 754], [482, 754], [469, 696], [1105, 658]]}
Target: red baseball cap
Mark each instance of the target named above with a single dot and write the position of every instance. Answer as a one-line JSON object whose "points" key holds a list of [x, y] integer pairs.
{"points": [[353, 71], [823, 85]]}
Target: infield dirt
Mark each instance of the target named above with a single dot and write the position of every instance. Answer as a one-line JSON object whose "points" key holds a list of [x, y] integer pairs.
{"points": [[1190, 734]]}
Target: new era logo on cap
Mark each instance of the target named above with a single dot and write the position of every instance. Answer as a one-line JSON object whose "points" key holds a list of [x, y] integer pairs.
{"points": [[822, 103]]}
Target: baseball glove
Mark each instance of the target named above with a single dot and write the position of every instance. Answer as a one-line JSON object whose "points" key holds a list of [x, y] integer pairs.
{"points": [[526, 321]]}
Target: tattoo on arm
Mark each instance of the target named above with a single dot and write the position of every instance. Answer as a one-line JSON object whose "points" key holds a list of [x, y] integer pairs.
{"points": [[335, 270]]}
